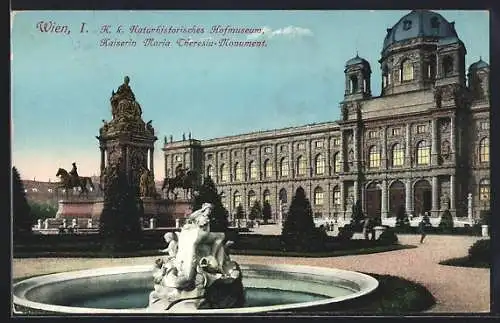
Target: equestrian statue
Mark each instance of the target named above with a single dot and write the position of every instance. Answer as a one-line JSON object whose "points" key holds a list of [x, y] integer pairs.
{"points": [[184, 178], [71, 179]]}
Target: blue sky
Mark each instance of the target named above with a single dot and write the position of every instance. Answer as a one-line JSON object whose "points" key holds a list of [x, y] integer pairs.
{"points": [[61, 84]]}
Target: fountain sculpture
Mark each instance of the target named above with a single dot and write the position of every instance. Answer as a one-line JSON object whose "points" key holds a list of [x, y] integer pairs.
{"points": [[197, 272]]}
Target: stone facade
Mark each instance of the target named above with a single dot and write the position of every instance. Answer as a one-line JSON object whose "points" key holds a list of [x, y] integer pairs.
{"points": [[422, 144]]}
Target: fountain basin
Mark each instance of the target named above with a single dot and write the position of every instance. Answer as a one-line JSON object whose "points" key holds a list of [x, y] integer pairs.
{"points": [[124, 290]]}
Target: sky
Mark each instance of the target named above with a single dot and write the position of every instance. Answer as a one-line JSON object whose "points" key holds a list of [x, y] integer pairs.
{"points": [[62, 82]]}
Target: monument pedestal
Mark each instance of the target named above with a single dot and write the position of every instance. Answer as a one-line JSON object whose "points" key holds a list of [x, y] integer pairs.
{"points": [[76, 209], [160, 210]]}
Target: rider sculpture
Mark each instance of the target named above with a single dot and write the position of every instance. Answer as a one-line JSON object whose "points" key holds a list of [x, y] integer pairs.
{"points": [[75, 178]]}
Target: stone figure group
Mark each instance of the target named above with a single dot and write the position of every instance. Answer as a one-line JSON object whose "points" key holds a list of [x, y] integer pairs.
{"points": [[197, 271], [147, 183]]}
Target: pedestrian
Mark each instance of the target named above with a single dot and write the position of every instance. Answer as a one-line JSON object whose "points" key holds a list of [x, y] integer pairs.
{"points": [[421, 229]]}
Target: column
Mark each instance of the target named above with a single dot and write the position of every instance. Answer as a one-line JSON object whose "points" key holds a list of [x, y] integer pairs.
{"points": [[341, 152], [435, 197], [342, 198], [151, 159], [356, 195], [384, 199], [452, 192], [408, 145], [452, 139], [384, 148], [408, 197], [355, 144], [103, 161], [434, 152]]}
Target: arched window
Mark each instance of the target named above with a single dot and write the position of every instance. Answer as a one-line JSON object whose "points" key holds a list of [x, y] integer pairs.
{"points": [[336, 196], [238, 172], [484, 150], [210, 171], [251, 198], [398, 155], [301, 166], [283, 196], [386, 80], [336, 163], [236, 199], [374, 157], [484, 190], [224, 173], [252, 170], [266, 196], [319, 165], [268, 169], [431, 68], [406, 70], [353, 83], [423, 153], [318, 196], [447, 66], [223, 198], [284, 167]]}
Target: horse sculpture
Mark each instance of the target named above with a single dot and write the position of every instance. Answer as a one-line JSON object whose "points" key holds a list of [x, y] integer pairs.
{"points": [[68, 182], [185, 181]]}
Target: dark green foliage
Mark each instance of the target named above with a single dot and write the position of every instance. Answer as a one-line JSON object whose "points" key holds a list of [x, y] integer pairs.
{"points": [[266, 211], [480, 251], [357, 216], [119, 223], [22, 217], [299, 231], [208, 194], [402, 220], [43, 210], [240, 213], [485, 217], [446, 223], [388, 237], [346, 232], [255, 211]]}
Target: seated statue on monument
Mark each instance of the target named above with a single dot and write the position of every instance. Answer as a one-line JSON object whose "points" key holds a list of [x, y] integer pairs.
{"points": [[198, 272]]}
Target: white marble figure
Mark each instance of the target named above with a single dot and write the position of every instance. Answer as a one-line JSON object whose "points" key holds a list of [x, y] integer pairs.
{"points": [[197, 265]]}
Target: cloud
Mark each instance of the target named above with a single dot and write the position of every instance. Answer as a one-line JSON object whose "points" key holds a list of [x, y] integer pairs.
{"points": [[289, 32]]}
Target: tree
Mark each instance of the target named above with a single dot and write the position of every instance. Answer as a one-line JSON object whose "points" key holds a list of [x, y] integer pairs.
{"points": [[357, 215], [208, 194], [299, 231], [266, 211], [23, 219], [401, 217], [255, 211], [240, 214], [119, 223]]}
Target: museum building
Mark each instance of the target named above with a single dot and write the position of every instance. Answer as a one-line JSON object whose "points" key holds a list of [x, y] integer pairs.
{"points": [[423, 144]]}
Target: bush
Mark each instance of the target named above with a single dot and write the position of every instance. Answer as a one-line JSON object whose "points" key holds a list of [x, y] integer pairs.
{"points": [[43, 210], [446, 223], [480, 251], [484, 218], [23, 219], [402, 220], [388, 237], [346, 232], [208, 194]]}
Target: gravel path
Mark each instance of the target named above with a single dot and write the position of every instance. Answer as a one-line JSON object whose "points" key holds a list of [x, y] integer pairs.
{"points": [[456, 289]]}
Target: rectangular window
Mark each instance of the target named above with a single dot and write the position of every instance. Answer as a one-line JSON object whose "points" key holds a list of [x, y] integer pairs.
{"points": [[372, 134], [396, 132], [210, 156], [268, 150], [318, 144], [421, 128], [398, 157], [336, 142], [485, 125], [374, 161], [301, 146]]}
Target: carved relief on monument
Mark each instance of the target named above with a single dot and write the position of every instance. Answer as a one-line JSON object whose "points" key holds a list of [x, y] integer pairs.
{"points": [[444, 125]]}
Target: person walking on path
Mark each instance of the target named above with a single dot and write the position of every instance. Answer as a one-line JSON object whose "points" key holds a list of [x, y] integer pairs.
{"points": [[422, 226]]}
